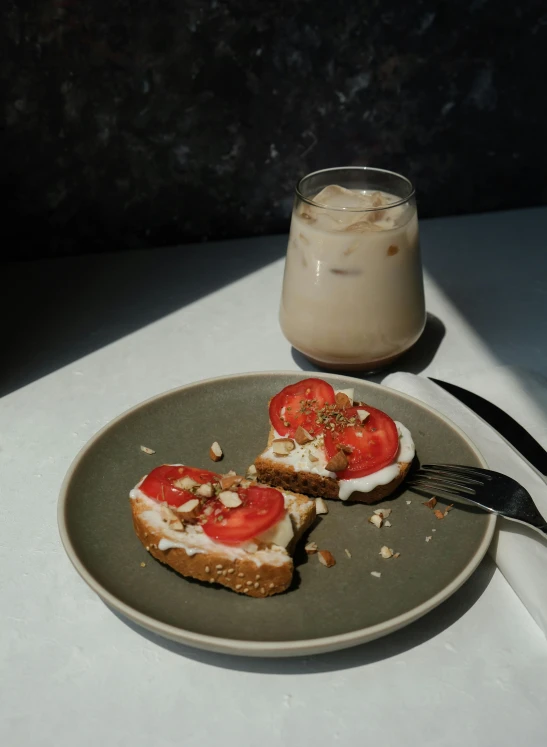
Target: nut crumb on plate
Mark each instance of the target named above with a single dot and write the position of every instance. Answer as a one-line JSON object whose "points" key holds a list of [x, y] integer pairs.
{"points": [[321, 506], [311, 548], [215, 452], [143, 565], [438, 514], [347, 552], [428, 538], [431, 503], [386, 552], [147, 450], [376, 574], [376, 520], [326, 558], [408, 503], [387, 523]]}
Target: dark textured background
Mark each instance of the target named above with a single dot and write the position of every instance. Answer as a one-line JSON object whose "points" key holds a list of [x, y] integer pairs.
{"points": [[139, 123]]}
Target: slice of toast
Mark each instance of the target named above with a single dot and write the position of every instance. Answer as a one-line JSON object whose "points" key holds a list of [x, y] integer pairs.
{"points": [[278, 472], [257, 569]]}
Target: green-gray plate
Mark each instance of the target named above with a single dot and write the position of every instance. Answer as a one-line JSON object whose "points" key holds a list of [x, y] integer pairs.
{"points": [[326, 608]]}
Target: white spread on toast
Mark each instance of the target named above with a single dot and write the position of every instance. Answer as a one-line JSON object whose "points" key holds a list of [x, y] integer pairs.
{"points": [[193, 540], [299, 459]]}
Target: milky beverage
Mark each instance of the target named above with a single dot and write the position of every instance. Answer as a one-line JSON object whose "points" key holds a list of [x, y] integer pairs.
{"points": [[353, 290]]}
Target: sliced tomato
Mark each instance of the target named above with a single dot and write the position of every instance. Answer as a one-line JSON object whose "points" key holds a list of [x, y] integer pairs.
{"points": [[261, 508], [373, 444], [297, 404], [159, 483]]}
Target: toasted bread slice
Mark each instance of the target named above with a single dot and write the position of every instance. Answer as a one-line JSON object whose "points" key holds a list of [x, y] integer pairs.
{"points": [[257, 569], [278, 472]]}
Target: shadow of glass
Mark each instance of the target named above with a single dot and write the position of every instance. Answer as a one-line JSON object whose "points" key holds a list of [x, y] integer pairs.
{"points": [[67, 308], [492, 269], [414, 361], [416, 634]]}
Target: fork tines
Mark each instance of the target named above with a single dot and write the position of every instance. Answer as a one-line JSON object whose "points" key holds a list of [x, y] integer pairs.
{"points": [[451, 479]]}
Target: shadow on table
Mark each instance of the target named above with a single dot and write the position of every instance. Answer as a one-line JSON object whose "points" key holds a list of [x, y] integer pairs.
{"points": [[413, 635], [57, 310], [414, 361]]}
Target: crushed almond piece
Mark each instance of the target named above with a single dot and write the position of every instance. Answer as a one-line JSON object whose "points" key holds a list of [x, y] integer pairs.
{"points": [[215, 452], [396, 554], [282, 446], [347, 552], [438, 514], [312, 457], [386, 552], [376, 520], [448, 508], [428, 539], [431, 503], [338, 463], [251, 471], [376, 574], [143, 564], [188, 506], [342, 400], [326, 558], [363, 415], [185, 483], [229, 481], [229, 499], [320, 506], [387, 523], [383, 512], [311, 548], [302, 436], [408, 503], [175, 524], [205, 490], [346, 448], [147, 450]]}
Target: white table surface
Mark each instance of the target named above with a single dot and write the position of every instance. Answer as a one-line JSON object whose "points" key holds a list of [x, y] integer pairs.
{"points": [[98, 338]]}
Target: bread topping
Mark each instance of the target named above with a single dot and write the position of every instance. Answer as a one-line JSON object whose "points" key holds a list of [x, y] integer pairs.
{"points": [[299, 460], [193, 540]]}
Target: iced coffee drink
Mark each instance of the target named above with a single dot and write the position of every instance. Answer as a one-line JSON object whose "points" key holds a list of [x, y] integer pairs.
{"points": [[353, 291]]}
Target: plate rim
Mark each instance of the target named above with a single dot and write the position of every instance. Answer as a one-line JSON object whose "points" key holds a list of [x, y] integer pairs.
{"points": [[242, 647]]}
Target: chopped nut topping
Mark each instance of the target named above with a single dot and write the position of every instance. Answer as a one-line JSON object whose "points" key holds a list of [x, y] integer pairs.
{"points": [[251, 471], [312, 457], [229, 499], [363, 415], [188, 506], [215, 452], [311, 548], [147, 450], [342, 400], [376, 520], [185, 483], [321, 506], [386, 552], [282, 446], [326, 558], [205, 490], [302, 436], [229, 481], [338, 463]]}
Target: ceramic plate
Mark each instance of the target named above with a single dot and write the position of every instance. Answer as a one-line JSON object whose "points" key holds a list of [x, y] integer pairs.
{"points": [[326, 608]]}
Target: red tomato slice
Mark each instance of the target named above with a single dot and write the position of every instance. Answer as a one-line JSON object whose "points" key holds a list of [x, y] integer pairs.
{"points": [[260, 510], [375, 442], [297, 404], [159, 483]]}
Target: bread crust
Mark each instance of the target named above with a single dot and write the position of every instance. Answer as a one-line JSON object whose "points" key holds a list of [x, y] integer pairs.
{"points": [[253, 580], [286, 477]]}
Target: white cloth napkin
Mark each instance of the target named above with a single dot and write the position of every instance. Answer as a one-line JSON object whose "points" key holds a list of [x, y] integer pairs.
{"points": [[519, 552]]}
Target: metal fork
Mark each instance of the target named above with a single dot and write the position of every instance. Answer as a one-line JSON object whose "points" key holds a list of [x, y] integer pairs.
{"points": [[485, 488]]}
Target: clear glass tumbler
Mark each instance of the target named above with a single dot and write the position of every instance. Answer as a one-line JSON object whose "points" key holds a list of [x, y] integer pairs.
{"points": [[353, 295]]}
